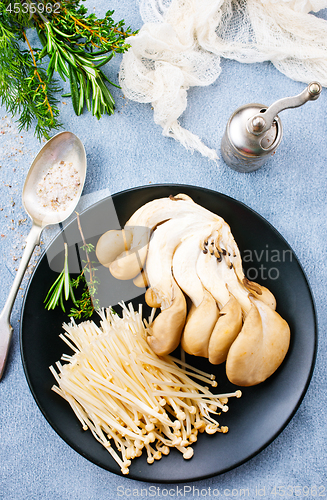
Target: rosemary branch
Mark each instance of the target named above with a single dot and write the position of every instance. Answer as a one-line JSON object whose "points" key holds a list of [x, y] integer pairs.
{"points": [[73, 44]]}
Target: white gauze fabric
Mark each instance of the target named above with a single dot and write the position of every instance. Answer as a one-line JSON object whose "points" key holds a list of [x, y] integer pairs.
{"points": [[181, 42]]}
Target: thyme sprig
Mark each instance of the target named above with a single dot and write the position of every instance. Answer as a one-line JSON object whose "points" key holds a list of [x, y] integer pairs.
{"points": [[88, 303], [73, 44]]}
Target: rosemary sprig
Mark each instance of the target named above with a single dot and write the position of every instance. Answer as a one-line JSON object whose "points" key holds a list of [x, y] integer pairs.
{"points": [[61, 289], [73, 44]]}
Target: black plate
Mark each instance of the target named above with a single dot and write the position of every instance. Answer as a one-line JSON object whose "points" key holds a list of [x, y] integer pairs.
{"points": [[255, 419]]}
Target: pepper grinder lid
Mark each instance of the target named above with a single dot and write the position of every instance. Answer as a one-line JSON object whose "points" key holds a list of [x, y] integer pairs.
{"points": [[254, 131]]}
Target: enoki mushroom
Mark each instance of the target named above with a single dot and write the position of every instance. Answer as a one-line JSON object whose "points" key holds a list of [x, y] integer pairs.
{"points": [[131, 398]]}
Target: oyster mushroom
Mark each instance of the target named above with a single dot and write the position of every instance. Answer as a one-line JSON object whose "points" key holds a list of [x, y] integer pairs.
{"points": [[260, 292], [162, 209], [177, 247], [111, 244], [218, 276], [166, 330], [141, 280], [128, 261], [227, 328], [203, 313], [163, 288], [199, 325], [260, 347]]}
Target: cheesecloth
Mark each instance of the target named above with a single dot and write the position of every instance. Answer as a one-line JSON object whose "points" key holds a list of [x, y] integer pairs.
{"points": [[181, 42]]}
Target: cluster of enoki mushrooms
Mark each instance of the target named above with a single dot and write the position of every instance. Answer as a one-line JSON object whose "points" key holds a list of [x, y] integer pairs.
{"points": [[187, 258]]}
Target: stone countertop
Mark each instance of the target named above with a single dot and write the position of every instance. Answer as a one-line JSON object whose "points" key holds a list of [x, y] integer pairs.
{"points": [[128, 150]]}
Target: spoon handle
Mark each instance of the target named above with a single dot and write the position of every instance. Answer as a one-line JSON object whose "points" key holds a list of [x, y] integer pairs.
{"points": [[32, 240]]}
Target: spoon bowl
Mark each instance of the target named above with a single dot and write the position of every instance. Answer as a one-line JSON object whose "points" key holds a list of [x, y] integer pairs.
{"points": [[52, 189], [63, 149]]}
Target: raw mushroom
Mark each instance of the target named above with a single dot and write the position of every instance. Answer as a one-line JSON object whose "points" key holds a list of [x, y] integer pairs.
{"points": [[166, 330], [199, 325], [260, 292], [180, 249], [225, 331], [163, 290], [128, 260], [111, 244], [260, 347], [204, 311], [218, 275], [141, 280]]}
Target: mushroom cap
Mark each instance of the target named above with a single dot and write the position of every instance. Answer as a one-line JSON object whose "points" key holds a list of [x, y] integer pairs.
{"points": [[111, 244], [130, 262], [260, 347], [162, 209], [166, 329], [260, 292], [200, 322], [227, 328]]}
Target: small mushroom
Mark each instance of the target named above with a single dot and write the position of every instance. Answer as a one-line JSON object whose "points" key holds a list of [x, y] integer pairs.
{"points": [[111, 244], [130, 262]]}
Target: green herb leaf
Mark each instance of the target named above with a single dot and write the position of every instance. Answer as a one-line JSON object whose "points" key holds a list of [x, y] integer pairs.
{"points": [[74, 89]]}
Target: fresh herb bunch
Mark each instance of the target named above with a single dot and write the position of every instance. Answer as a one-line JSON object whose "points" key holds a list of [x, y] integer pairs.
{"points": [[86, 284], [25, 88], [72, 43]]}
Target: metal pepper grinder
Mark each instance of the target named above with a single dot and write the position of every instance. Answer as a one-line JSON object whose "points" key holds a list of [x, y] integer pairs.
{"points": [[254, 131]]}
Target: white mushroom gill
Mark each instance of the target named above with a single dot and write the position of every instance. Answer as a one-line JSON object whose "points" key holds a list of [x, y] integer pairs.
{"points": [[126, 261], [164, 241], [184, 265], [213, 274]]}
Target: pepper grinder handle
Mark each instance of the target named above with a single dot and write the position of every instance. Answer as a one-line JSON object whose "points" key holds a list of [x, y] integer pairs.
{"points": [[261, 122]]}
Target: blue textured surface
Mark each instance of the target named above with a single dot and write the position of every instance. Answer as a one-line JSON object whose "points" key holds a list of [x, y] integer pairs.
{"points": [[128, 150]]}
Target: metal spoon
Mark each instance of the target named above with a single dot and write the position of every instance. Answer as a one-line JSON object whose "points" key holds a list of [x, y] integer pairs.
{"points": [[64, 147]]}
